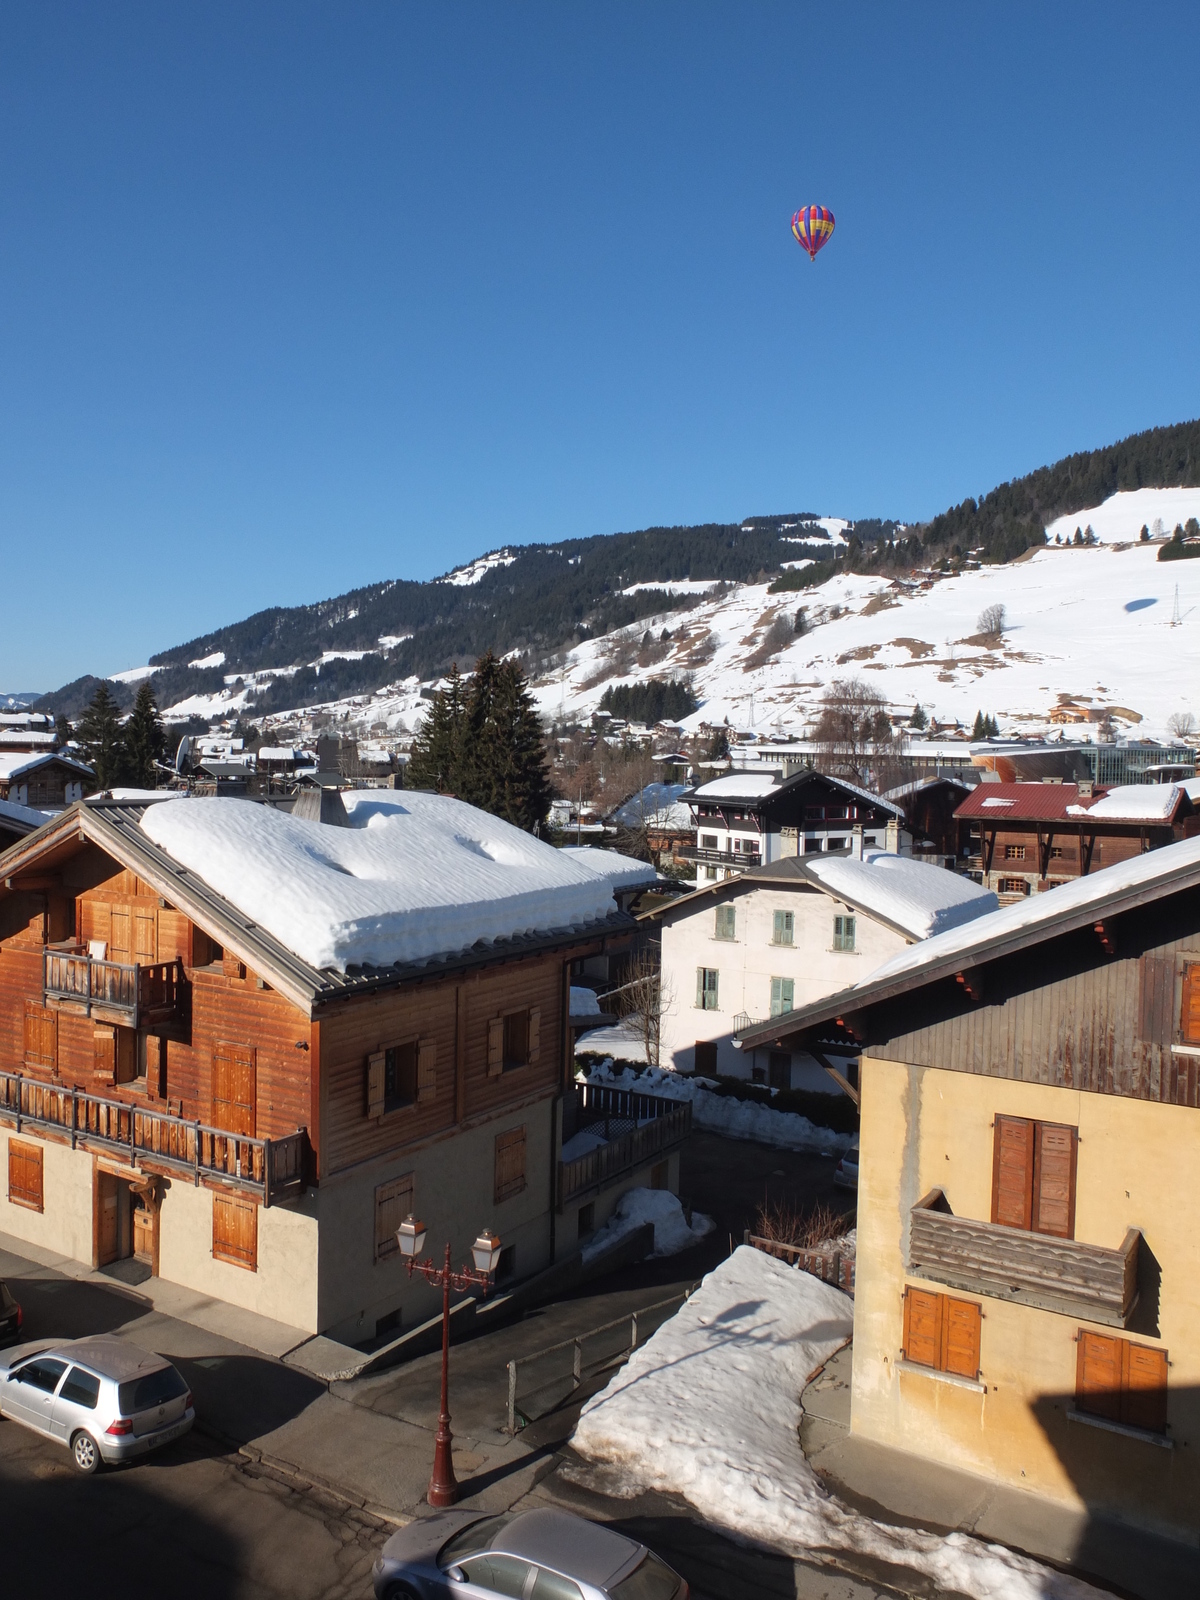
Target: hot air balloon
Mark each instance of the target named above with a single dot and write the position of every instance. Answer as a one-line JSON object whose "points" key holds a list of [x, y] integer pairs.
{"points": [[812, 226]]}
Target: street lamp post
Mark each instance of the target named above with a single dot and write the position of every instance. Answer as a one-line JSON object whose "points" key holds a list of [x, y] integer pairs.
{"points": [[443, 1486]]}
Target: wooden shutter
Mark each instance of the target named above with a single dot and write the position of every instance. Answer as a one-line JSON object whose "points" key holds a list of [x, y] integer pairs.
{"points": [[41, 1036], [1156, 999], [510, 1163], [125, 1049], [235, 1230], [535, 1033], [376, 1067], [495, 1047], [1054, 1180], [25, 1174], [120, 939], [1144, 1402], [961, 1322], [145, 936], [234, 1096], [1012, 1172], [1189, 1019], [393, 1202], [1098, 1375], [426, 1074], [104, 1053], [922, 1327]]}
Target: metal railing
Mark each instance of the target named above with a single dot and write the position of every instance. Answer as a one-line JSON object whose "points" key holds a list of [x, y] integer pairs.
{"points": [[127, 992], [272, 1169], [603, 1360], [663, 1124]]}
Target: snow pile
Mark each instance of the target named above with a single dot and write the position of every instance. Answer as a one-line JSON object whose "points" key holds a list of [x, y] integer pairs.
{"points": [[912, 895], [709, 1408], [1123, 516], [1132, 802], [413, 877], [740, 786], [584, 1002], [622, 872], [639, 1206], [736, 1119]]}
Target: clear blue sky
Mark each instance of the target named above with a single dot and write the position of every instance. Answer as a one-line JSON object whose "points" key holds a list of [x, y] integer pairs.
{"points": [[298, 296]]}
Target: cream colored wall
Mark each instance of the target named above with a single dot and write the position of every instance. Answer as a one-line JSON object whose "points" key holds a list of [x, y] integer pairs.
{"points": [[65, 1223], [748, 963], [454, 1195], [566, 1238], [1138, 1166]]}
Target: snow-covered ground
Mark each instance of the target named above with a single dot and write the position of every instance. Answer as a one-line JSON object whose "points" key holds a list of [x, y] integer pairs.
{"points": [[709, 1408], [477, 569], [736, 1119], [639, 1206], [1124, 515]]}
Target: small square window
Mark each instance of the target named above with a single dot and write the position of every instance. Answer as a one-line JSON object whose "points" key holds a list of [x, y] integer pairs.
{"points": [[726, 927], [843, 933], [708, 841], [783, 927]]}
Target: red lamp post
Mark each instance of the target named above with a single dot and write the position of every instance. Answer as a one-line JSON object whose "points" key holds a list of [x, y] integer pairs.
{"points": [[443, 1486]]}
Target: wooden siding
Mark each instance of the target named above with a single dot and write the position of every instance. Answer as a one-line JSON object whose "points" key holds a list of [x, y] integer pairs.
{"points": [[450, 1016], [1066, 1014]]}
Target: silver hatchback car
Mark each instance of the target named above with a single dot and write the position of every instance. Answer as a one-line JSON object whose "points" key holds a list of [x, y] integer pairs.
{"points": [[106, 1400]]}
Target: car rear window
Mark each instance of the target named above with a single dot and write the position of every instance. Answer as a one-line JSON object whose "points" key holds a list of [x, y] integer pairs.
{"points": [[653, 1580], [81, 1387], [155, 1389]]}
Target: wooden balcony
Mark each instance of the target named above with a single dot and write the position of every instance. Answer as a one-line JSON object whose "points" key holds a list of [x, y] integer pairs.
{"points": [[719, 858], [636, 1128], [271, 1169], [1033, 1269], [133, 996]]}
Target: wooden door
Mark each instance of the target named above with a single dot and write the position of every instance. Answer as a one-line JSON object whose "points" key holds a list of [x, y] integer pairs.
{"points": [[109, 1221], [143, 1230], [234, 1088]]}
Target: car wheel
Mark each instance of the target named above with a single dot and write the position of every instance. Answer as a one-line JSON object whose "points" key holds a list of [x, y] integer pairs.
{"points": [[85, 1453]]}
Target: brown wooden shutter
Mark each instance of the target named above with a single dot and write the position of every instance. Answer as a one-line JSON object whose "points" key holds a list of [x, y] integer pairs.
{"points": [[510, 1163], [25, 1174], [426, 1072], [1054, 1180], [125, 1055], [393, 1202], [535, 1033], [104, 1053], [1012, 1172], [376, 1065], [41, 1036], [922, 1327], [1156, 999], [1098, 1375], [495, 1047], [1189, 1018], [960, 1337], [235, 1230], [120, 939], [234, 1096], [1144, 1403], [145, 937]]}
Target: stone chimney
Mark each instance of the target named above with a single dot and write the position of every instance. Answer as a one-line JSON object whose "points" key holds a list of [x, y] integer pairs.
{"points": [[856, 841]]}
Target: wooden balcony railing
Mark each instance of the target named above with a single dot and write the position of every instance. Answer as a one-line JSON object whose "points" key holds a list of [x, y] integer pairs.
{"points": [[112, 991], [719, 858], [272, 1169], [642, 1127], [1034, 1269]]}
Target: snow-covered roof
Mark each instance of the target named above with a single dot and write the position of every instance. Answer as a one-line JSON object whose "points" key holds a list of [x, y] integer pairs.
{"points": [[145, 797], [26, 816], [622, 872], [17, 763], [26, 739], [912, 895], [1132, 802], [272, 752], [739, 786], [1127, 802], [414, 877], [655, 803]]}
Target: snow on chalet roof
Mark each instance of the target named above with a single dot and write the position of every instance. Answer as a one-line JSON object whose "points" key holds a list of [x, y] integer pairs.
{"points": [[912, 895], [1133, 802], [739, 786], [26, 815], [413, 877], [656, 804], [620, 871], [1128, 802], [15, 763]]}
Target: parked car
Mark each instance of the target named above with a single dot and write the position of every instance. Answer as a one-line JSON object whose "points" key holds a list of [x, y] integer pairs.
{"points": [[845, 1174], [11, 1316], [106, 1400], [539, 1555]]}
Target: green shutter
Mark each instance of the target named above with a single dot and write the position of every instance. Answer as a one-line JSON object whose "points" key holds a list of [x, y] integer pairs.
{"points": [[776, 996], [787, 990]]}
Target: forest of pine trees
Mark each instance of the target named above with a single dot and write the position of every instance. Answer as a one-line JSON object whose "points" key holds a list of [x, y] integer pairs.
{"points": [[122, 753]]}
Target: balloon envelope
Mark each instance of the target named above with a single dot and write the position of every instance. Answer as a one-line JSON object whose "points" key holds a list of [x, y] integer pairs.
{"points": [[812, 226]]}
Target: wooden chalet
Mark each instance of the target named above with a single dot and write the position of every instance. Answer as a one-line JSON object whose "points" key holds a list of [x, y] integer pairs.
{"points": [[177, 1082], [1021, 838], [1028, 1274], [43, 779]]}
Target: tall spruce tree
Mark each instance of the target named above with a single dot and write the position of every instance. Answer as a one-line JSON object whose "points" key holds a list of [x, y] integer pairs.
{"points": [[436, 758], [144, 739], [100, 734], [505, 758]]}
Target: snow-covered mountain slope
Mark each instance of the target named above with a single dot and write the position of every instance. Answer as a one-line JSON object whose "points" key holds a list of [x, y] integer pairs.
{"points": [[1124, 515]]}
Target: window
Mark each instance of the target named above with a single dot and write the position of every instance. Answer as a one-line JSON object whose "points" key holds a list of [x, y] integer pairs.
{"points": [[843, 933], [495, 1574], [1189, 1016], [510, 1164], [393, 1202], [41, 1036], [1012, 886], [706, 1058], [941, 1332], [1056, 852], [25, 1174], [154, 1389], [234, 1093], [235, 1231], [587, 1219], [726, 925], [514, 1040], [1033, 1176], [1014, 852], [783, 927], [651, 1581], [550, 1586], [114, 1054], [708, 841], [401, 1075], [782, 995], [1121, 1381], [710, 874], [706, 988], [81, 1388], [835, 844], [42, 1374], [779, 1073], [812, 844]]}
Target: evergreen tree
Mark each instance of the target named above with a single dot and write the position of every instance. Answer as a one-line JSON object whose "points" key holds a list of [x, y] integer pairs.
{"points": [[62, 729], [145, 739], [436, 759], [991, 729], [504, 759], [979, 731], [918, 719], [100, 734]]}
